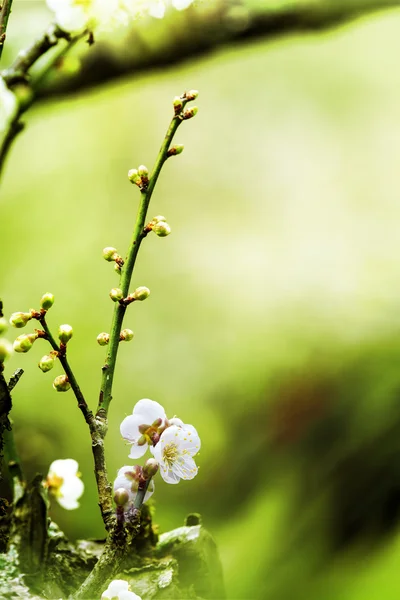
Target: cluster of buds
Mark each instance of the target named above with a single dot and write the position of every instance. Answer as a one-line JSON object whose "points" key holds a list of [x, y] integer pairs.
{"points": [[159, 226], [141, 293], [139, 177], [180, 101], [111, 255], [5, 346], [131, 479]]}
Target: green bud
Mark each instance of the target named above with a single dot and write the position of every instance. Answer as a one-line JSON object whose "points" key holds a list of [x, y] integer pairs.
{"points": [[126, 335], [109, 253], [133, 176], [150, 468], [116, 294], [117, 268], [103, 339], [162, 229], [174, 150], [3, 325], [20, 319], [46, 363], [65, 333], [143, 172], [61, 384], [190, 112], [24, 343], [47, 301], [192, 95], [177, 104], [5, 349], [141, 293], [121, 497], [158, 219]]}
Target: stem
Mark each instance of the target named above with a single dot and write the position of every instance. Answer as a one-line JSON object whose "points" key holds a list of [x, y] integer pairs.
{"points": [[138, 235], [97, 433], [5, 11]]}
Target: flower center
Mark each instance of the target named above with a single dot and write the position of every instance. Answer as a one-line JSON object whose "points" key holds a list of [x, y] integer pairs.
{"points": [[84, 3], [54, 483], [170, 453]]}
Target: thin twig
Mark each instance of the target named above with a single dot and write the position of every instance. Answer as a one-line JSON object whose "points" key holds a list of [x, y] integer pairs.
{"points": [[5, 11]]}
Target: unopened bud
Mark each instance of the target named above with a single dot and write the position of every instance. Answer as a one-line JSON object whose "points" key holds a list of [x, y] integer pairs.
{"points": [[141, 293], [162, 229], [192, 95], [61, 384], [150, 468], [3, 325], [5, 349], [177, 104], [46, 363], [143, 172], [117, 268], [126, 335], [24, 343], [65, 333], [158, 219], [116, 294], [121, 496], [190, 112], [133, 176], [103, 339], [134, 474], [20, 319], [174, 150], [47, 301], [109, 254]]}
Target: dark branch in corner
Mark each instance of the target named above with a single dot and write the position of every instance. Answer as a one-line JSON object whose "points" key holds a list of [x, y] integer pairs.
{"points": [[197, 33]]}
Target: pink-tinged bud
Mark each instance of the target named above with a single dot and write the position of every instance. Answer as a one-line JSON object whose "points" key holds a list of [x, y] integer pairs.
{"points": [[20, 319], [3, 325], [143, 428], [109, 254], [5, 349], [121, 497], [47, 301], [103, 339], [65, 333], [61, 384], [192, 95], [141, 293], [162, 229], [126, 335], [24, 343], [116, 294], [46, 363], [150, 468], [190, 113]]}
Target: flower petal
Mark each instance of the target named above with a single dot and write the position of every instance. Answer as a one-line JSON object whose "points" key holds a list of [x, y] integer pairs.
{"points": [[129, 428], [181, 4], [149, 411], [137, 451], [64, 467]]}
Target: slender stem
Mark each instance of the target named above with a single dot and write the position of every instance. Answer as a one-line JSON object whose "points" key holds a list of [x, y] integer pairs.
{"points": [[5, 11], [138, 235]]}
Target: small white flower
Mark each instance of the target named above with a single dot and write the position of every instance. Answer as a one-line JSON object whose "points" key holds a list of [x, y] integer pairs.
{"points": [[174, 453], [64, 482], [119, 590], [8, 106], [127, 479], [142, 427]]}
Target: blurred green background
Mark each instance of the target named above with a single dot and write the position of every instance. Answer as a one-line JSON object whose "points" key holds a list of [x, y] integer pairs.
{"points": [[273, 323]]}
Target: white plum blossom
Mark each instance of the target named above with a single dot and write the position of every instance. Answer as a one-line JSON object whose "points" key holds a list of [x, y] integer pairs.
{"points": [[127, 480], [174, 453], [119, 590], [143, 427], [8, 106], [64, 483]]}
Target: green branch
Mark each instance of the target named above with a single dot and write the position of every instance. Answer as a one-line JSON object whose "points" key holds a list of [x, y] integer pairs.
{"points": [[139, 234], [5, 11]]}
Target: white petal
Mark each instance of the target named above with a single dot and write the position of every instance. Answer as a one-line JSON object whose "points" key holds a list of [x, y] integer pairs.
{"points": [[129, 428], [150, 491], [71, 489], [169, 475], [128, 596], [67, 503], [117, 586], [64, 467], [181, 4], [72, 19], [157, 9], [150, 411], [176, 421], [137, 451]]}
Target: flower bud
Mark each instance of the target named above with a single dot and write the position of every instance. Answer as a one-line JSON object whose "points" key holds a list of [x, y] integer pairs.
{"points": [[121, 496], [174, 150], [150, 468], [162, 229], [134, 474], [133, 176], [117, 269], [158, 219], [190, 112], [192, 95], [46, 363], [3, 325], [47, 301], [177, 104], [5, 349], [20, 319], [126, 335], [141, 293], [65, 333], [109, 253], [24, 343], [116, 294], [61, 383], [143, 172], [103, 339]]}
